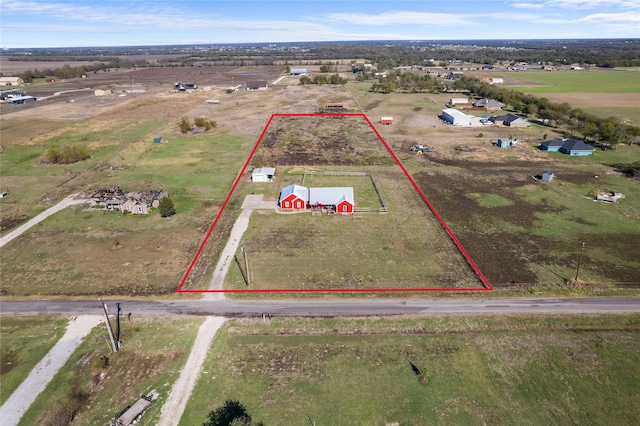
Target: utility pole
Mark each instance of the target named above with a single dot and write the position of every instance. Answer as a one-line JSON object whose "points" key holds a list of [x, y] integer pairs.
{"points": [[579, 261], [109, 329], [246, 264]]}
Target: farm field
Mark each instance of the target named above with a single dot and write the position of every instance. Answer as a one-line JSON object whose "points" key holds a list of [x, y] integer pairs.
{"points": [[499, 370], [584, 89], [25, 341], [96, 384], [515, 229], [73, 252]]}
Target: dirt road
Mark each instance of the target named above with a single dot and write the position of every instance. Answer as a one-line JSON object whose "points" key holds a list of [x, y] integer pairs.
{"points": [[182, 388], [20, 400], [69, 201]]}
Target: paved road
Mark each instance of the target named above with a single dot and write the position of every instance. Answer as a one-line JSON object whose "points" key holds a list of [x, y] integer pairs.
{"points": [[330, 308]]}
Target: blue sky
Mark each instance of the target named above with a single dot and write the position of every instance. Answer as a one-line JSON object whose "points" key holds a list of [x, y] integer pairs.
{"points": [[78, 23]]}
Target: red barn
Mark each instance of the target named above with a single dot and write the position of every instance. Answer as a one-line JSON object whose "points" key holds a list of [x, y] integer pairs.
{"points": [[294, 197]]}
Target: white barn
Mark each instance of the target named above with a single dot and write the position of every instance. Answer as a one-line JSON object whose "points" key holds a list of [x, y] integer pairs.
{"points": [[455, 117], [263, 174]]}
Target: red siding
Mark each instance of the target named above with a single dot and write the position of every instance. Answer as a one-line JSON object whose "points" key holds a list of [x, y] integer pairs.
{"points": [[344, 207], [293, 202]]}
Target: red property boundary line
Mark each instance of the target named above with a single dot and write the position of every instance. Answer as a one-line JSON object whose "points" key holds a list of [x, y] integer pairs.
{"points": [[485, 282]]}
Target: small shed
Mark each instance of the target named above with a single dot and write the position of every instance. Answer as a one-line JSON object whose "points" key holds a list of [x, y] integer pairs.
{"points": [[503, 144], [386, 120], [157, 139], [263, 174], [547, 176]]}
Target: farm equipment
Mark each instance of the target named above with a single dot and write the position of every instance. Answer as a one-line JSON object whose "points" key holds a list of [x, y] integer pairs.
{"points": [[421, 149]]}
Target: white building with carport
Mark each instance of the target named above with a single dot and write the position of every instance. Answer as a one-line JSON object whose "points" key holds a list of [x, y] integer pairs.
{"points": [[263, 174], [456, 117]]}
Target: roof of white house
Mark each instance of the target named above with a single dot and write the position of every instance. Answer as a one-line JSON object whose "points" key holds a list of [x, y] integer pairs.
{"points": [[330, 196], [264, 171], [10, 79], [297, 190]]}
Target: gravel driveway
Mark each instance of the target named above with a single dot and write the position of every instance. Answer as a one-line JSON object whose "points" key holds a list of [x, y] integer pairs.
{"points": [[20, 400]]}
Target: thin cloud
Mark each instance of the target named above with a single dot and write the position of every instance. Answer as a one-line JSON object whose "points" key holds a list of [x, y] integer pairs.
{"points": [[398, 18], [592, 4], [528, 5], [630, 18]]}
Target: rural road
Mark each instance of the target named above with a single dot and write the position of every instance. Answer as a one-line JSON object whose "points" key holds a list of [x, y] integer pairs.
{"points": [[69, 201], [177, 401], [331, 308]]}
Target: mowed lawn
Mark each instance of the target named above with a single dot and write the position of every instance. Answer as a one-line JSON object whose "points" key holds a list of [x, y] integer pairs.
{"points": [[404, 248], [499, 370]]}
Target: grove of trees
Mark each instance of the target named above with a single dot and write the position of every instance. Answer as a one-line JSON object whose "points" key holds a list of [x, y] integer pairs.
{"points": [[65, 155]]}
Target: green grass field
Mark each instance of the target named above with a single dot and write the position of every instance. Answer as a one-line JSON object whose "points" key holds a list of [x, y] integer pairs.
{"points": [[154, 352], [577, 82], [196, 171], [500, 370], [24, 341]]}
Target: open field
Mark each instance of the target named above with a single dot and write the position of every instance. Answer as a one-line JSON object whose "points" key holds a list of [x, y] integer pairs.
{"points": [[585, 81], [517, 230], [73, 252], [500, 370], [584, 89], [25, 341], [96, 384]]}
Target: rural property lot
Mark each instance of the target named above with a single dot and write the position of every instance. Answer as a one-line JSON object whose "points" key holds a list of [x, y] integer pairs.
{"points": [[403, 249]]}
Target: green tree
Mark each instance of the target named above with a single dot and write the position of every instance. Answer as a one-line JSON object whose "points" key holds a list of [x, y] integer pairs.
{"points": [[232, 413], [166, 207], [184, 124]]}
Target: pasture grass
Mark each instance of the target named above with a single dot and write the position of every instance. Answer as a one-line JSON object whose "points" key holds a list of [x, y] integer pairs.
{"points": [[155, 350], [576, 82], [404, 248], [482, 369], [58, 256], [25, 342]]}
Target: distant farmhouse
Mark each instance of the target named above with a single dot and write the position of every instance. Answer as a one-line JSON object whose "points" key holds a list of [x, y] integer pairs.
{"points": [[510, 120], [11, 81], [571, 147], [135, 202], [257, 85], [183, 87], [488, 104], [333, 200], [7, 96]]}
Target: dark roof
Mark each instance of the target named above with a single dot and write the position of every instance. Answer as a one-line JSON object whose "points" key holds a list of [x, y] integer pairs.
{"points": [[256, 84], [568, 145], [576, 145], [556, 142]]}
